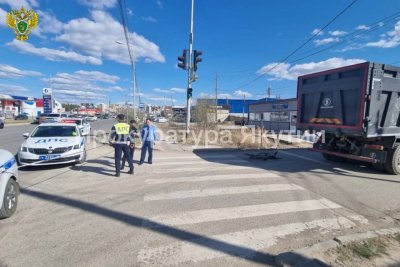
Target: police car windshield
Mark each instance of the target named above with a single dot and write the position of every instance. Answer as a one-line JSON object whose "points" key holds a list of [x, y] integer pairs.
{"points": [[52, 131]]}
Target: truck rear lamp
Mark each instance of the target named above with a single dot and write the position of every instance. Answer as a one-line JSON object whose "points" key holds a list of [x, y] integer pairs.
{"points": [[374, 147], [326, 120]]}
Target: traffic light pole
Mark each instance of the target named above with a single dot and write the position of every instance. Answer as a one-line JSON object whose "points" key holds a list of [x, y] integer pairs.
{"points": [[190, 73]]}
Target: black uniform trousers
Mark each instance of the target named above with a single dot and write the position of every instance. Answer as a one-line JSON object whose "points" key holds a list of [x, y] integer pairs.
{"points": [[119, 148], [132, 152]]}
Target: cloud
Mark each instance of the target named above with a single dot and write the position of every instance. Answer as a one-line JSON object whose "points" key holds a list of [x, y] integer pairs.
{"points": [[158, 99], [317, 32], [7, 88], [240, 93], [389, 40], [337, 33], [48, 24], [78, 96], [7, 71], [158, 90], [98, 4], [17, 4], [363, 27], [3, 15], [170, 91], [325, 41], [89, 82], [288, 72], [150, 19], [129, 11], [52, 54], [97, 37], [212, 96], [159, 4], [96, 76]]}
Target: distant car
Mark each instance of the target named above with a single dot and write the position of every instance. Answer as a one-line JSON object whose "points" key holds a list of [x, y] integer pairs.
{"points": [[53, 143], [9, 188], [52, 117], [83, 125], [21, 117], [91, 118], [161, 120]]}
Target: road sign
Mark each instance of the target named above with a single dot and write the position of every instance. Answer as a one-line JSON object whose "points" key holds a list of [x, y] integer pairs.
{"points": [[47, 104], [47, 91]]}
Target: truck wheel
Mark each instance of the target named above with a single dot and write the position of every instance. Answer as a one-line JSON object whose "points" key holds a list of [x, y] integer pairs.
{"points": [[10, 199], [392, 164]]}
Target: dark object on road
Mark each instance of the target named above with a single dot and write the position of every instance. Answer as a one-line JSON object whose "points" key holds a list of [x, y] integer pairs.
{"points": [[21, 117], [358, 109], [1, 124], [264, 155]]}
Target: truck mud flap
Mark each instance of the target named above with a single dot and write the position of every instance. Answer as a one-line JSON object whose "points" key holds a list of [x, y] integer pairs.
{"points": [[360, 158]]}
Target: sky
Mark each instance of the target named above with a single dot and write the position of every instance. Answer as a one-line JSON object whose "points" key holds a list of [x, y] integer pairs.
{"points": [[79, 48]]}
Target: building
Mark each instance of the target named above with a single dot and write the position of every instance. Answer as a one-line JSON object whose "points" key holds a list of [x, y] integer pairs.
{"points": [[12, 106], [274, 114]]}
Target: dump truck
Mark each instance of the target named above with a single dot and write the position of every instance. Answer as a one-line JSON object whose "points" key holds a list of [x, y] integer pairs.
{"points": [[356, 111]]}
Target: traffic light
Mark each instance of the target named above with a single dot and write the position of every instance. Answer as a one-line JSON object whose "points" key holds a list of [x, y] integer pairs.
{"points": [[189, 92], [196, 58], [182, 60]]}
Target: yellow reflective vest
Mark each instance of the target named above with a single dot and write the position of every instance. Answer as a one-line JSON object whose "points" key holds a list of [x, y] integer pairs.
{"points": [[120, 133]]}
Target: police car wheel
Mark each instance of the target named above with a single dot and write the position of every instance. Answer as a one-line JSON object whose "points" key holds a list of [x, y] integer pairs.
{"points": [[10, 199], [1, 125], [81, 161], [17, 160]]}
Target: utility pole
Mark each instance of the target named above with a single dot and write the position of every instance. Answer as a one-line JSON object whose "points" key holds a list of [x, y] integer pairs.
{"points": [[216, 97], [244, 100], [134, 87], [190, 72]]}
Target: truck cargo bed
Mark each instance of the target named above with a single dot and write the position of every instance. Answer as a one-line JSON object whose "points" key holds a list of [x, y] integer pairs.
{"points": [[358, 100]]}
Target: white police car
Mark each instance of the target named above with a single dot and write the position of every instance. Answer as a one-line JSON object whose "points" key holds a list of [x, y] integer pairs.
{"points": [[53, 143], [83, 126], [9, 188]]}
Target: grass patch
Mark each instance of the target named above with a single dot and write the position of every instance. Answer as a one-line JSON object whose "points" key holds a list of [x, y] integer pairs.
{"points": [[367, 249]]}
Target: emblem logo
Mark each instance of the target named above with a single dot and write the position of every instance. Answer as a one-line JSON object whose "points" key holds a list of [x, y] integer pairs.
{"points": [[50, 150], [372, 155], [327, 102], [22, 22]]}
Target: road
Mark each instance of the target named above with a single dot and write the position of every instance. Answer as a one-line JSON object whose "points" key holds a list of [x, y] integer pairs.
{"points": [[198, 208], [11, 135]]}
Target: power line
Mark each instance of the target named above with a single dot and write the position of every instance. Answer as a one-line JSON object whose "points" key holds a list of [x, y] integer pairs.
{"points": [[373, 27], [302, 45]]}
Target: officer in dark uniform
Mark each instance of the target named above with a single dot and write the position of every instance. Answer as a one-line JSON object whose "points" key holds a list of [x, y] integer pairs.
{"points": [[120, 139]]}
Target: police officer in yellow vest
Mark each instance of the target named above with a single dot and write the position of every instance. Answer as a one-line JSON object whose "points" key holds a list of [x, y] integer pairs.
{"points": [[120, 139]]}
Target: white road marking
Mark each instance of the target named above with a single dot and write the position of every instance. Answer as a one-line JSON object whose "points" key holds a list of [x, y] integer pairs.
{"points": [[196, 162], [222, 191], [245, 244], [212, 215], [194, 156], [222, 177], [203, 169]]}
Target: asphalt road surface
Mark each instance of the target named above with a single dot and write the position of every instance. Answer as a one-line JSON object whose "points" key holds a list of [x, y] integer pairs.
{"points": [[11, 135], [192, 208]]}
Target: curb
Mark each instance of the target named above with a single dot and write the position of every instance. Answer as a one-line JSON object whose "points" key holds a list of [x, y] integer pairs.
{"points": [[307, 256], [16, 124]]}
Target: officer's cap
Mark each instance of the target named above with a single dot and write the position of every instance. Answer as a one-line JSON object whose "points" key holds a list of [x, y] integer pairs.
{"points": [[121, 117]]}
